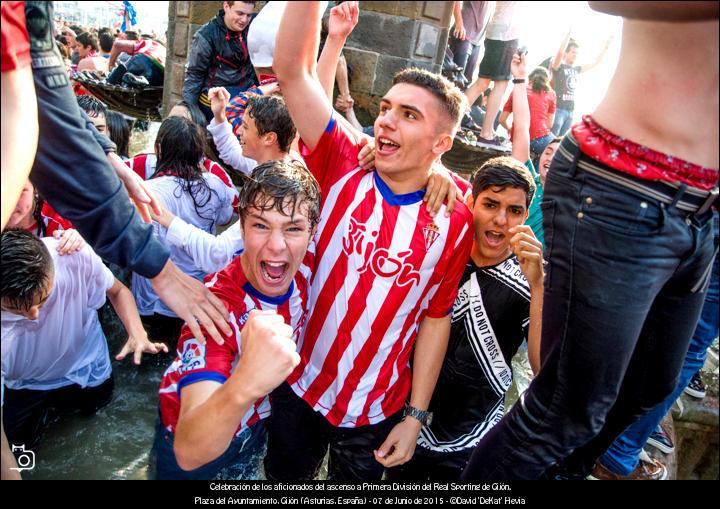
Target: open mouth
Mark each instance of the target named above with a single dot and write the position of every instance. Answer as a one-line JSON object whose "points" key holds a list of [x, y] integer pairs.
{"points": [[386, 146], [273, 272], [494, 239]]}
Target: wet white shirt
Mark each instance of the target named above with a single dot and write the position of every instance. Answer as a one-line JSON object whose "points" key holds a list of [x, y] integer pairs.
{"points": [[66, 344], [217, 211], [210, 253]]}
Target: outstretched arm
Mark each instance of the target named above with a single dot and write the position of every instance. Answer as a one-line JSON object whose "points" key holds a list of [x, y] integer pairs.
{"points": [[600, 57], [521, 111], [294, 63], [560, 52]]}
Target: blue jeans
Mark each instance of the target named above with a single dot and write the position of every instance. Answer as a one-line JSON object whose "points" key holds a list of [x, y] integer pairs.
{"points": [[537, 146], [241, 461], [624, 288], [622, 456], [562, 123]]}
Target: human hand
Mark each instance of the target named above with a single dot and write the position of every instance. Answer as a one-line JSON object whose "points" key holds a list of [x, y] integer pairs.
{"points": [[517, 66], [343, 19], [70, 241], [441, 186], [137, 345], [270, 88], [344, 103], [218, 97], [366, 157], [529, 252], [143, 199], [268, 353], [164, 219], [399, 446], [192, 302], [459, 31]]}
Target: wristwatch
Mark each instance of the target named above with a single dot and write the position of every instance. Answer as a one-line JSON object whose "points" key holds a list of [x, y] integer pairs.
{"points": [[423, 416]]}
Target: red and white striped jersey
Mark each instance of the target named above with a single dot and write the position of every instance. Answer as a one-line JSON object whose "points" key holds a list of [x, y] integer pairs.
{"points": [[144, 165], [382, 265], [196, 362]]}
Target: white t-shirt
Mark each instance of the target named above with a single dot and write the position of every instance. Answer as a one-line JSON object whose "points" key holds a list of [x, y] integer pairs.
{"points": [[502, 26], [211, 253], [229, 148], [217, 210], [66, 344]]}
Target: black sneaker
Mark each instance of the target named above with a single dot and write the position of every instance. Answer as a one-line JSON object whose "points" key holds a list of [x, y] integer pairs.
{"points": [[696, 388], [661, 440], [492, 144], [134, 81], [115, 77]]}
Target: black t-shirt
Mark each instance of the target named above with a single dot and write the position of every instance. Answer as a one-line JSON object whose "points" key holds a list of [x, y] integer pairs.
{"points": [[564, 83], [490, 320]]}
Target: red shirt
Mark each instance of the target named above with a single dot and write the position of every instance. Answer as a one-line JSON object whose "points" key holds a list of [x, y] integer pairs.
{"points": [[196, 362], [542, 105], [15, 41], [638, 160], [382, 265]]}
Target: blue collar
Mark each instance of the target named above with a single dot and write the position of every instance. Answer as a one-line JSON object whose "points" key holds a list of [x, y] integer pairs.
{"points": [[280, 299], [397, 199]]}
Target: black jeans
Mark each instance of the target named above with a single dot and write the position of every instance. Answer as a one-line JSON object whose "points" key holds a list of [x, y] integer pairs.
{"points": [[298, 438], [27, 413], [624, 288]]}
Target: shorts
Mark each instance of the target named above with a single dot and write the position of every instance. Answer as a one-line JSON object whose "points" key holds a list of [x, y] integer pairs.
{"points": [[496, 61]]}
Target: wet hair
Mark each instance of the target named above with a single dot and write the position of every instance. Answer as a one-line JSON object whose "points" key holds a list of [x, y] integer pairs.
{"points": [[539, 80], [106, 41], [283, 186], [92, 106], [502, 172], [26, 267], [180, 147], [118, 130], [571, 44], [272, 116], [132, 35], [242, 2], [87, 39], [198, 117], [453, 101]]}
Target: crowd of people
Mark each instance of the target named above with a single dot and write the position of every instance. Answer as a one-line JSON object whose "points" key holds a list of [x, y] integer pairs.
{"points": [[362, 301]]}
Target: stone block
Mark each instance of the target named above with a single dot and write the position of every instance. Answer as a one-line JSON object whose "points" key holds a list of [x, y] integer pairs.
{"points": [[411, 10], [182, 9], [202, 12], [364, 64], [381, 7], [387, 35], [177, 77], [180, 39], [439, 12], [427, 41]]}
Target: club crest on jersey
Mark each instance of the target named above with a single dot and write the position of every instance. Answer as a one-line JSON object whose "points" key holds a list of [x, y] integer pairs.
{"points": [[432, 232], [244, 317], [193, 356], [379, 260]]}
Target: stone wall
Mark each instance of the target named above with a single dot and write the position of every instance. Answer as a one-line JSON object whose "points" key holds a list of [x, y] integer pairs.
{"points": [[389, 36]]}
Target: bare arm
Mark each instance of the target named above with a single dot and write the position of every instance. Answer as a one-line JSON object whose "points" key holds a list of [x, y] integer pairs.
{"points": [[210, 413], [503, 120], [124, 304], [530, 255], [600, 57], [120, 46], [19, 135], [294, 62], [521, 111], [430, 348], [8, 460], [560, 52], [459, 30]]}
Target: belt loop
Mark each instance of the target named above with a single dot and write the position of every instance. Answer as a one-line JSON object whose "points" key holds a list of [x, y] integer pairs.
{"points": [[573, 143], [678, 195]]}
